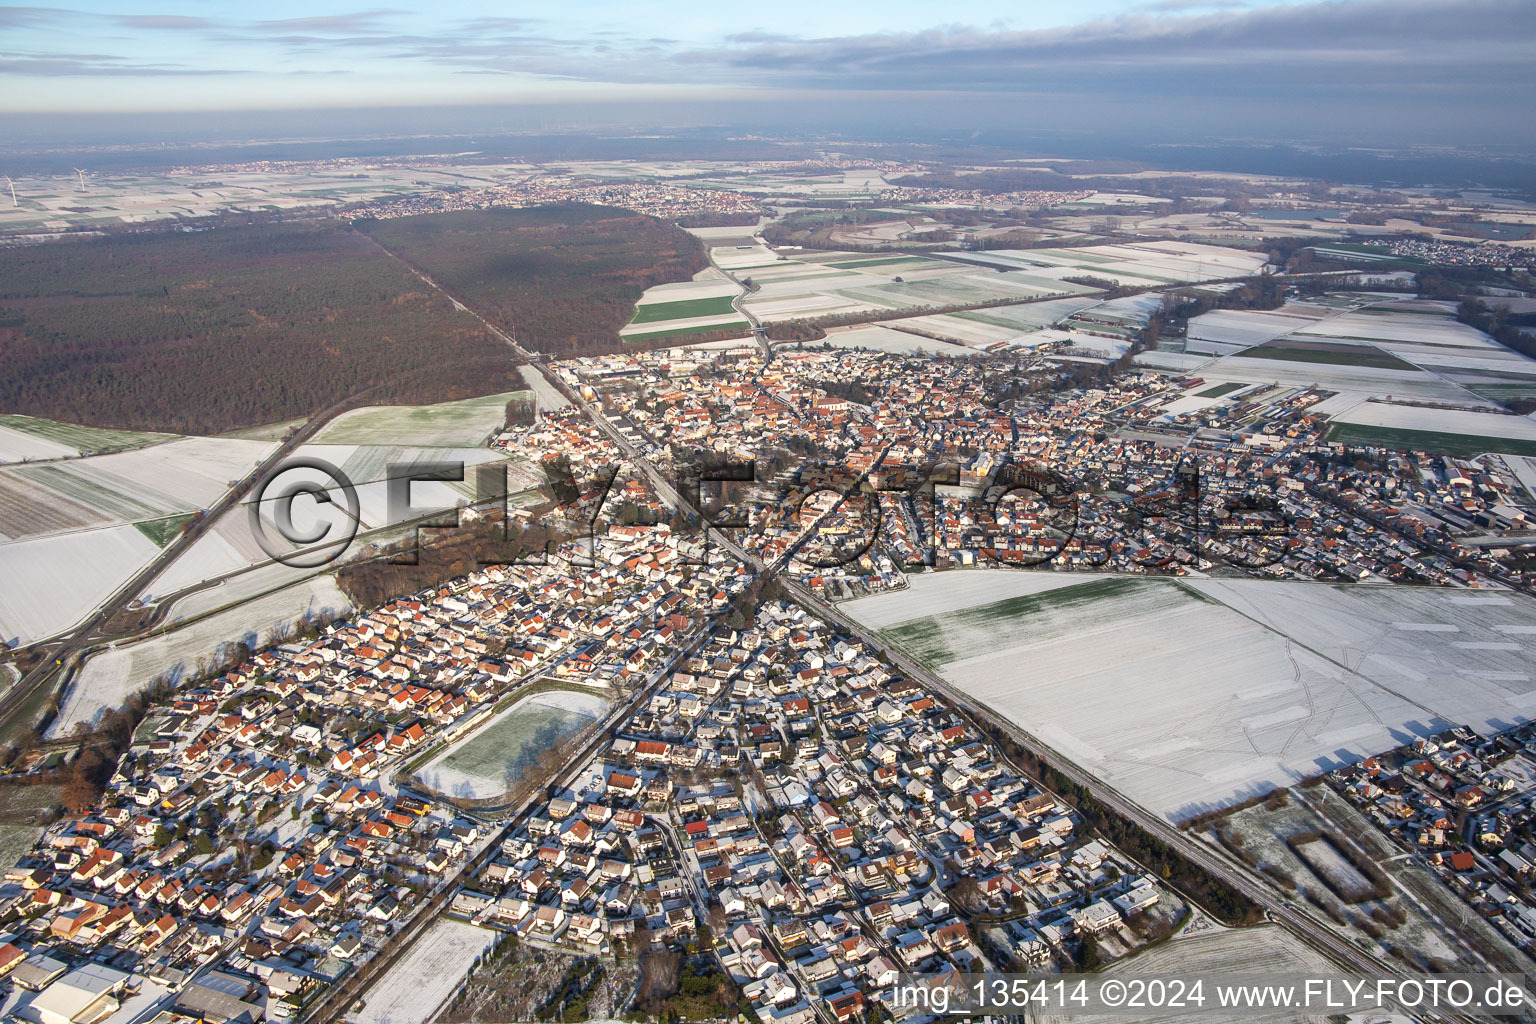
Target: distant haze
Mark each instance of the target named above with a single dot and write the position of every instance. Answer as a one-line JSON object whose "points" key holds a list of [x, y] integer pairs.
{"points": [[1374, 72]]}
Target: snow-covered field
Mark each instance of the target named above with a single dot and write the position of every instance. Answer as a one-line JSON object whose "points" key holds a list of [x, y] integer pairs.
{"points": [[884, 339], [1144, 263], [1360, 382], [449, 424], [545, 393], [1449, 421], [28, 437], [132, 486], [51, 583], [413, 989], [810, 284], [108, 677], [1193, 694], [1222, 331], [1260, 953]]}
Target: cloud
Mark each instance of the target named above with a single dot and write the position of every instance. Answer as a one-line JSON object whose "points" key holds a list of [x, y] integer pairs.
{"points": [[55, 65], [169, 22], [353, 23], [1373, 44], [28, 17]]}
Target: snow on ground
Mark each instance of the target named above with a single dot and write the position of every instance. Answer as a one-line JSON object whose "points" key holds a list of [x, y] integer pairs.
{"points": [[51, 583], [1160, 360], [1424, 323], [547, 395], [30, 437], [108, 677], [1260, 952], [307, 593], [485, 764], [1447, 421], [418, 984], [1227, 330], [1192, 694], [452, 424], [133, 486], [1360, 381], [884, 339], [16, 445]]}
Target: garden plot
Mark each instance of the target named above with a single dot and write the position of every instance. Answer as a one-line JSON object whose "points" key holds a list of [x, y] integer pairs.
{"points": [[488, 763], [16, 841], [448, 424], [52, 583], [1193, 694], [415, 988], [1274, 834], [110, 676]]}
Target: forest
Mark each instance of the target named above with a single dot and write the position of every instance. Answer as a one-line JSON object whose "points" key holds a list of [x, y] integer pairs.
{"points": [[208, 331], [561, 279]]}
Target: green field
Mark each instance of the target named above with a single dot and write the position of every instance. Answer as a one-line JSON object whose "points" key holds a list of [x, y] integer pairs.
{"points": [[678, 332], [163, 531], [1406, 439], [462, 424], [74, 435], [1221, 389], [494, 759], [936, 640], [1335, 355], [715, 305], [16, 841]]}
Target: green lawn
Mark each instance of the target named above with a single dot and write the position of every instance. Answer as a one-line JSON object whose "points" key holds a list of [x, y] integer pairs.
{"points": [[678, 332], [1338, 355], [682, 309], [84, 438], [163, 531], [1221, 389]]}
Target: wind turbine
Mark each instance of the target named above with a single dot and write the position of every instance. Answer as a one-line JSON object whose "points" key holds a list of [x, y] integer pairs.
{"points": [[11, 183], [82, 178]]}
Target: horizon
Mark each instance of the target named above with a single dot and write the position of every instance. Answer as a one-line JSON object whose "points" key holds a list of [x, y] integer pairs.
{"points": [[1430, 72]]}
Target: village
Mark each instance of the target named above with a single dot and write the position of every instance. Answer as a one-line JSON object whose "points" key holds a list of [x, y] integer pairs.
{"points": [[761, 799]]}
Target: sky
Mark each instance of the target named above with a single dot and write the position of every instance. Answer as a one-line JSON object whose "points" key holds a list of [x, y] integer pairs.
{"points": [[1439, 70]]}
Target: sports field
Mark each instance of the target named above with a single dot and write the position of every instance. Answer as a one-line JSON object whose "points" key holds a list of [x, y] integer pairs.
{"points": [[491, 761]]}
